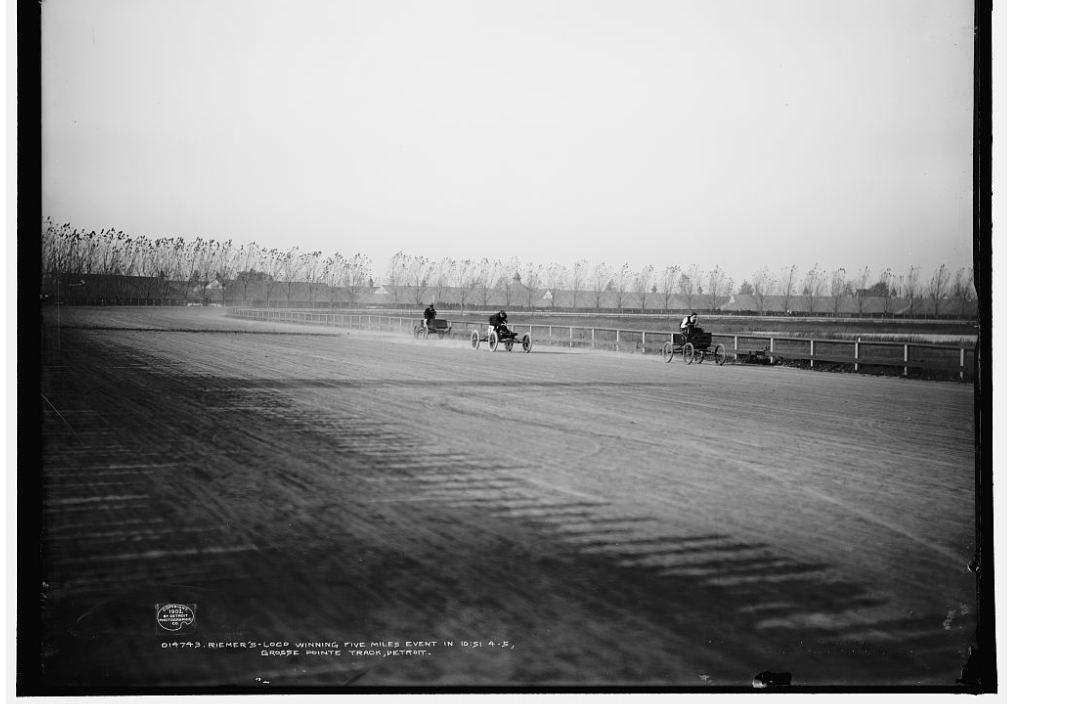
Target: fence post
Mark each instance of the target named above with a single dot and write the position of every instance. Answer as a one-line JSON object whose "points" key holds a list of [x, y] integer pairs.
{"points": [[856, 355], [643, 341], [592, 338], [905, 371], [812, 353], [961, 364], [570, 336], [617, 341]]}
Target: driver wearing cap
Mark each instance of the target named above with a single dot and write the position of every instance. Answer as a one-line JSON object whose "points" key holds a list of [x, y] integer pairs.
{"points": [[499, 323]]}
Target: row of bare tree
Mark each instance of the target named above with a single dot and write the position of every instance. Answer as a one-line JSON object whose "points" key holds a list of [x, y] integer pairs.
{"points": [[581, 285], [837, 292], [112, 256], [253, 271]]}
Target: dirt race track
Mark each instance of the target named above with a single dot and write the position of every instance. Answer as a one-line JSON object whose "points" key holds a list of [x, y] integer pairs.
{"points": [[617, 521]]}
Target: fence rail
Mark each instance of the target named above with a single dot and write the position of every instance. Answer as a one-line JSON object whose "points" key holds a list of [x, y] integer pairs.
{"points": [[905, 356]]}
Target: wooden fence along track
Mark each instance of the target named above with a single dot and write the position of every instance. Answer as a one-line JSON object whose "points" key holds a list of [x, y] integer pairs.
{"points": [[957, 359]]}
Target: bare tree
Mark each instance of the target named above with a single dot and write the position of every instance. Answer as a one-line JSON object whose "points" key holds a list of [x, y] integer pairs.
{"points": [[510, 280], [333, 276], [487, 273], [104, 255], [642, 279], [270, 271], [531, 280], [859, 290], [668, 281], [814, 287], [839, 289], [885, 288], [291, 263], [357, 275], [689, 285], [620, 283], [463, 281], [155, 266], [221, 267], [577, 279], [555, 275], [52, 246], [188, 261], [601, 277], [963, 290], [418, 273], [761, 282], [911, 287], [714, 288], [311, 272], [126, 266], [788, 280], [937, 288], [444, 274], [210, 264], [86, 245], [397, 272], [245, 260]]}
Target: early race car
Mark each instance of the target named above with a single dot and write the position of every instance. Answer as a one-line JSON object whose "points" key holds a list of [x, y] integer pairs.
{"points": [[496, 338], [436, 327], [694, 348]]}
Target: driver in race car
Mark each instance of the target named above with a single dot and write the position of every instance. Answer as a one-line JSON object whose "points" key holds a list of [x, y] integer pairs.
{"points": [[689, 326], [429, 316], [499, 323]]}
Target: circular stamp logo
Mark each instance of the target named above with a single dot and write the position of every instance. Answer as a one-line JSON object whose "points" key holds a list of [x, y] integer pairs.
{"points": [[174, 616]]}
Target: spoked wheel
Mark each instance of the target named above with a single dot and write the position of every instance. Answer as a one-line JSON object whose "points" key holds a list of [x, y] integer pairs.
{"points": [[720, 354], [688, 353], [668, 352], [475, 340], [494, 340], [526, 343]]}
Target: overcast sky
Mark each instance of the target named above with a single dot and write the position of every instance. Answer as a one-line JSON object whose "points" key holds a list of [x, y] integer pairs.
{"points": [[741, 133]]}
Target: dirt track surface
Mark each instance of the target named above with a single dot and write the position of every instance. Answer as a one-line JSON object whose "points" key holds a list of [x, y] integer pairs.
{"points": [[616, 520]]}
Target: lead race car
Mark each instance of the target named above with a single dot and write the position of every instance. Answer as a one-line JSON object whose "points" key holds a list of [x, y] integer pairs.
{"points": [[499, 334], [694, 347]]}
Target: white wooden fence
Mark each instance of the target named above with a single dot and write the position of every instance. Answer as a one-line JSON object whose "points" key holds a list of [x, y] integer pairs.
{"points": [[906, 356]]}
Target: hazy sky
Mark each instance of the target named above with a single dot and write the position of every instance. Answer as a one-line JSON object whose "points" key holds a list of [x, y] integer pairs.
{"points": [[735, 133]]}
